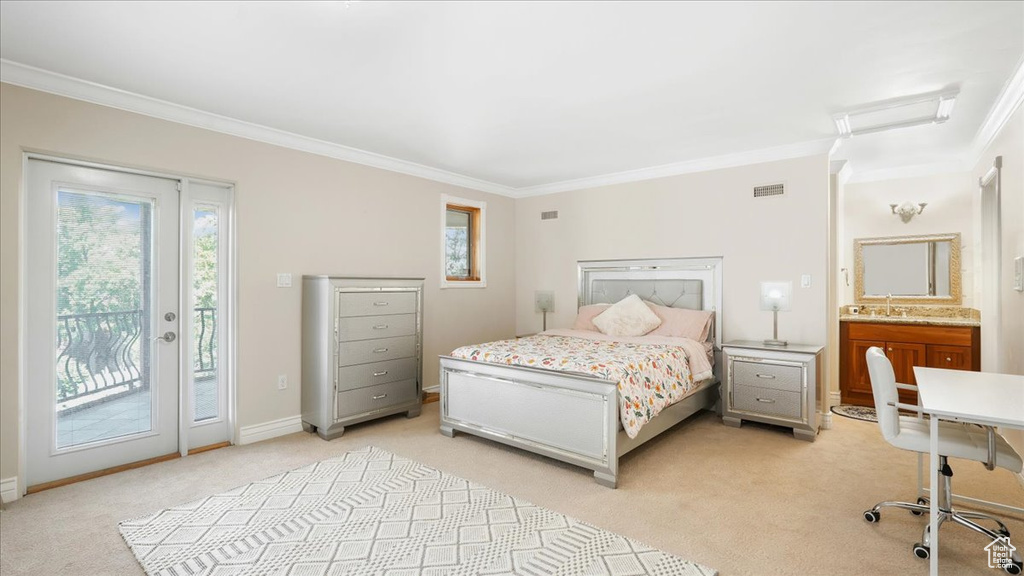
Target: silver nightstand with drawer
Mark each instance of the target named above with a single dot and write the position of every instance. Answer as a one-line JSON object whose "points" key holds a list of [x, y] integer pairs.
{"points": [[362, 350], [775, 385]]}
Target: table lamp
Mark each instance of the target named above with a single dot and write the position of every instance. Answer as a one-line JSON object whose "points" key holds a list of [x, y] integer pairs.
{"points": [[775, 297]]}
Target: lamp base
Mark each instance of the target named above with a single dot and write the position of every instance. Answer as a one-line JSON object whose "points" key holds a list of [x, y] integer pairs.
{"points": [[779, 343]]}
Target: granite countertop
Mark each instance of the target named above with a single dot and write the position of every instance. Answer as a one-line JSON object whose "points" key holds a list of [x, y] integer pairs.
{"points": [[925, 320]]}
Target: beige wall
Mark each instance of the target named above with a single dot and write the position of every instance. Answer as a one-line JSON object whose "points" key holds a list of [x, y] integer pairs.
{"points": [[1010, 145], [296, 212], [703, 214], [866, 214]]}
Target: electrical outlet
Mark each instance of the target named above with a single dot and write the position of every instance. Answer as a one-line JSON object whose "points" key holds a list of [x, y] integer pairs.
{"points": [[282, 381], [284, 280]]}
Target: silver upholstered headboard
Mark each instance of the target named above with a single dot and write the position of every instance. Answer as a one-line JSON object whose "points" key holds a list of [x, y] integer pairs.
{"points": [[694, 283]]}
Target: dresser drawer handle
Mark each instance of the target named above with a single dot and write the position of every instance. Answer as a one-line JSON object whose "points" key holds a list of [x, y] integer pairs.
{"points": [[381, 327], [381, 373], [949, 359], [380, 350], [766, 400], [380, 303], [379, 396], [767, 376]]}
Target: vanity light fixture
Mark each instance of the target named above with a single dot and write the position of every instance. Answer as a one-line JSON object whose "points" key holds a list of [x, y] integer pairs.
{"points": [[930, 108], [775, 297], [907, 210]]}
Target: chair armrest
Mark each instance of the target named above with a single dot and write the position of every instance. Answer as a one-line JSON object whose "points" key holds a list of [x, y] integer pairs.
{"points": [[902, 406], [906, 386]]}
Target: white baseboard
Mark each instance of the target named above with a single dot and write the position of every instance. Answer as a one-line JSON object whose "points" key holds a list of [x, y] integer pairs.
{"points": [[9, 489], [433, 389], [268, 430]]}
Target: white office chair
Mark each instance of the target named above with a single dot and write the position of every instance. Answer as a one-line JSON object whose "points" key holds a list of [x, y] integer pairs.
{"points": [[957, 440]]}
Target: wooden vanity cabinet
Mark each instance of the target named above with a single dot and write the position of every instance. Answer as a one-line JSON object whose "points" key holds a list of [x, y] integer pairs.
{"points": [[906, 345]]}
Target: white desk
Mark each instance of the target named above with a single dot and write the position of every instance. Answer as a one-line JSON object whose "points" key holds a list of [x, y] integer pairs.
{"points": [[979, 397]]}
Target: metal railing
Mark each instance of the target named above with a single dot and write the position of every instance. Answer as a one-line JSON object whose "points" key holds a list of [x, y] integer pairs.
{"points": [[103, 352]]}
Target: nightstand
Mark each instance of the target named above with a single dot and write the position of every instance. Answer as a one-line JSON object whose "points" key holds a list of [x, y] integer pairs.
{"points": [[772, 384]]}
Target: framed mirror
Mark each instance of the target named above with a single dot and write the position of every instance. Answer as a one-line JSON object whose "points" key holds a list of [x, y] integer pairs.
{"points": [[913, 269]]}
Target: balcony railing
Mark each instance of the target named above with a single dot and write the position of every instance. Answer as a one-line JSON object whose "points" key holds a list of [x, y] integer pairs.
{"points": [[101, 353]]}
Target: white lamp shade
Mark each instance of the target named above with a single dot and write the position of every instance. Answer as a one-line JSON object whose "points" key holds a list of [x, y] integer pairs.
{"points": [[775, 295]]}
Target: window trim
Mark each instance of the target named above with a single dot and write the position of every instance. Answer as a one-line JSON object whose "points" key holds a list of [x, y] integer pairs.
{"points": [[478, 227]]}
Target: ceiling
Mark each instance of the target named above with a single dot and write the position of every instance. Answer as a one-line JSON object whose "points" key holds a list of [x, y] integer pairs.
{"points": [[524, 98]]}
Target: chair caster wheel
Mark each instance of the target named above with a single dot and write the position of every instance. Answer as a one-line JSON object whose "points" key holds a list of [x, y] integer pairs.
{"points": [[922, 551], [922, 502], [872, 516], [1013, 568]]}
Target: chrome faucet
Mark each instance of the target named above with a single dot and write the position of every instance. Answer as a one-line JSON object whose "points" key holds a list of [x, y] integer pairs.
{"points": [[888, 303]]}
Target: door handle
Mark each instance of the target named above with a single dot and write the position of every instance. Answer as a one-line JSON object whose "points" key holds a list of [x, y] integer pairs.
{"points": [[167, 337]]}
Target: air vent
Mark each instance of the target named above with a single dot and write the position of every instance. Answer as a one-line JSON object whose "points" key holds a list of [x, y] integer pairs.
{"points": [[551, 215], [769, 190]]}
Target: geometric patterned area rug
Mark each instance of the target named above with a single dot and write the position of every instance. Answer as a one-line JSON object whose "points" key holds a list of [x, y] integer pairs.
{"points": [[372, 512]]}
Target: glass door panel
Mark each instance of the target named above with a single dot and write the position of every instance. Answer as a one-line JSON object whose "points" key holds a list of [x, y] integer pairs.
{"points": [[104, 271], [205, 335]]}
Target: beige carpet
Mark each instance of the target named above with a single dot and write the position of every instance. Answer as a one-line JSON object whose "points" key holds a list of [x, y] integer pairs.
{"points": [[744, 501]]}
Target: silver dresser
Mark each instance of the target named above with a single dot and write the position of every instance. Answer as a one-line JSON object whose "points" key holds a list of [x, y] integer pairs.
{"points": [[775, 385], [362, 350]]}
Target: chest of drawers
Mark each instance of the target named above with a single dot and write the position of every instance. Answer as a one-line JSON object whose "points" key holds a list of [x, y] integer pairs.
{"points": [[362, 342]]}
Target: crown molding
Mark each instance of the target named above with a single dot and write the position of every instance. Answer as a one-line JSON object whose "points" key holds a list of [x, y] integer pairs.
{"points": [[62, 85], [915, 171], [776, 153], [78, 89], [1009, 100]]}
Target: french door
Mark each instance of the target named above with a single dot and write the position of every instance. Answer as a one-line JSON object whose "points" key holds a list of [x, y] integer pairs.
{"points": [[124, 295]]}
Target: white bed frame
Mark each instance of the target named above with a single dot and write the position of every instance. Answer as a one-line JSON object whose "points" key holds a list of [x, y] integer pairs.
{"points": [[571, 417]]}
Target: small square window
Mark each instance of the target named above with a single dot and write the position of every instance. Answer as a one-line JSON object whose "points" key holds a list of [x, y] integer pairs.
{"points": [[463, 243]]}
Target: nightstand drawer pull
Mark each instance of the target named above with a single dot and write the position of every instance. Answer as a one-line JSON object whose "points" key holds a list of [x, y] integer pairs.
{"points": [[768, 376], [766, 400], [949, 359], [381, 327], [381, 373], [379, 396], [379, 350], [381, 303]]}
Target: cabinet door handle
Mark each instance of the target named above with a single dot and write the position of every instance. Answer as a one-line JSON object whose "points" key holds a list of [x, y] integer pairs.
{"points": [[381, 373], [380, 303], [381, 327], [379, 396], [767, 376], [949, 359], [380, 350], [890, 349], [766, 400]]}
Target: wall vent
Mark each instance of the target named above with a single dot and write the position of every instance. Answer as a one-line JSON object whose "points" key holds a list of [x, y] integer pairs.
{"points": [[551, 215], [769, 190]]}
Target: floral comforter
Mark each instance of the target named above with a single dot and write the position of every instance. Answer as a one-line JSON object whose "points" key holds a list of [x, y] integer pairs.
{"points": [[651, 377]]}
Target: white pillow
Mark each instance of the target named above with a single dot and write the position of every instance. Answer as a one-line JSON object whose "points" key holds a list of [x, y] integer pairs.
{"points": [[627, 317]]}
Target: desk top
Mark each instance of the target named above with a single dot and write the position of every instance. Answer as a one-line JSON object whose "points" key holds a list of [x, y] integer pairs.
{"points": [[981, 397]]}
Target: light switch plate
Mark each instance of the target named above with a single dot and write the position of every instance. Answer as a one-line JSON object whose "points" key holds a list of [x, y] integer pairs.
{"points": [[805, 281], [1018, 273], [284, 280]]}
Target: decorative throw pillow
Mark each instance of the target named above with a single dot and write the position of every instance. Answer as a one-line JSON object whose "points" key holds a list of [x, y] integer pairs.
{"points": [[627, 317], [681, 322], [585, 317]]}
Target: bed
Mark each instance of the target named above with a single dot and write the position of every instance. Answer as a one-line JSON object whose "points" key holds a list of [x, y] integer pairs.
{"points": [[572, 416]]}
